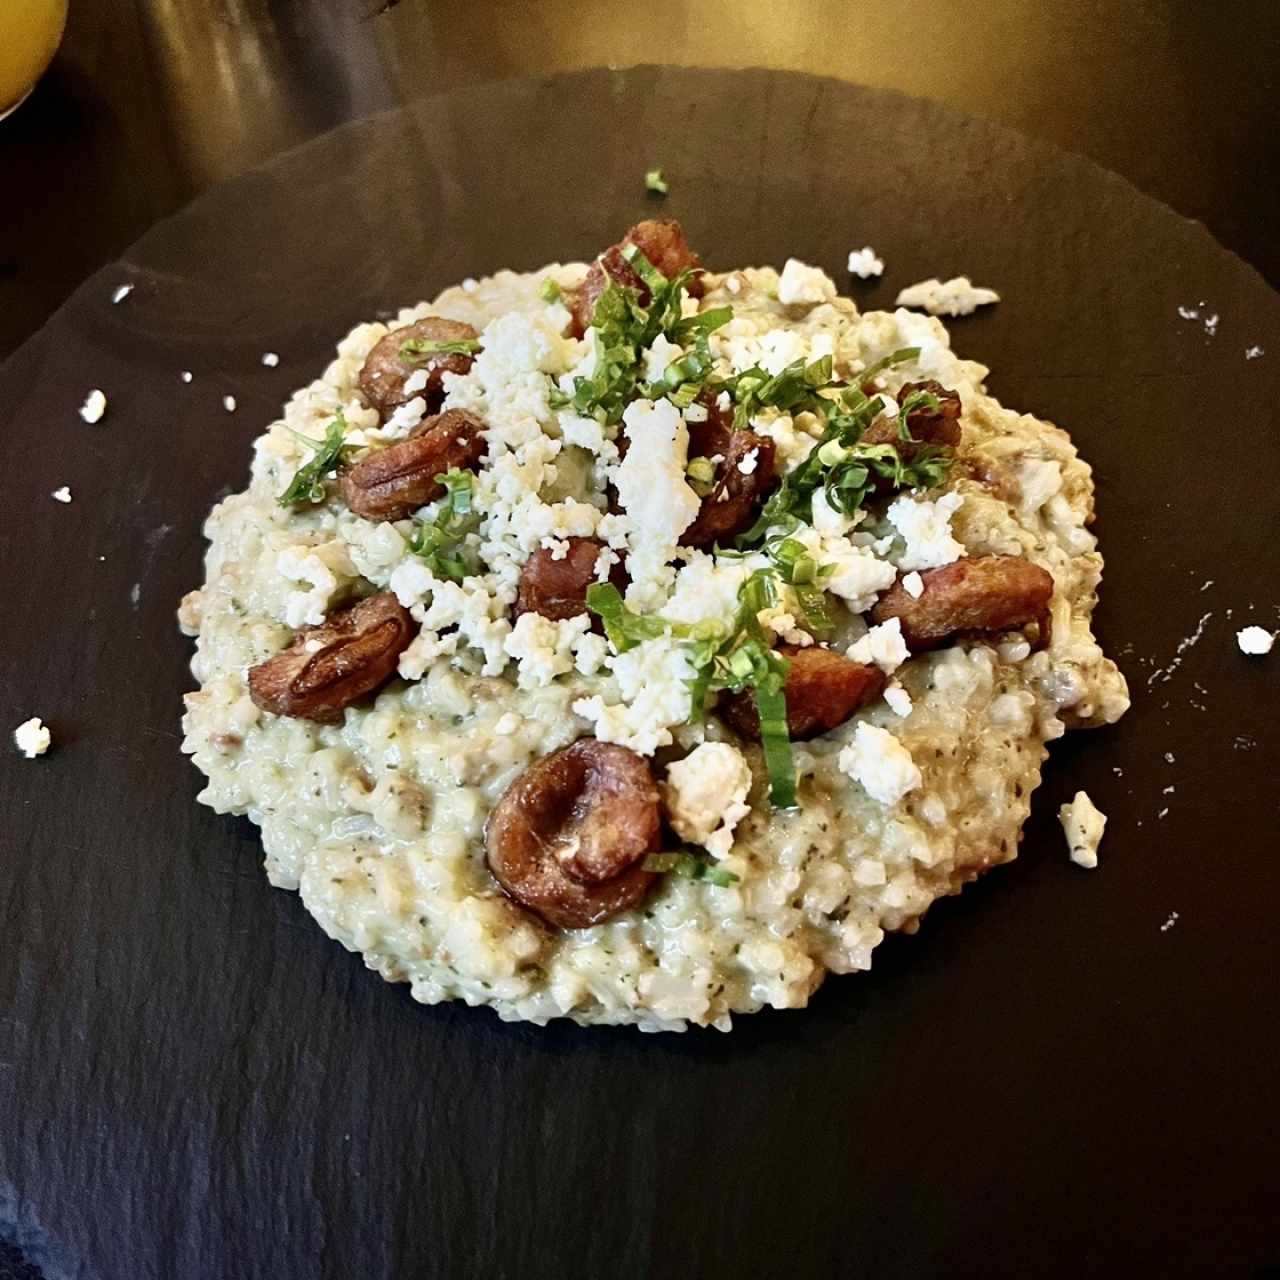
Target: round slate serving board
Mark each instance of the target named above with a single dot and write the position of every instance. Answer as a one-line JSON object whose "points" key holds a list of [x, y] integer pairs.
{"points": [[1056, 1072]]}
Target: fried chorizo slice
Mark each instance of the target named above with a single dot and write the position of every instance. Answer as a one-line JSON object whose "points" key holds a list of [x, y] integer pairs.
{"points": [[712, 437], [386, 369], [940, 426], [326, 668], [558, 588], [983, 594], [823, 689], [662, 241], [389, 484], [731, 505], [568, 838]]}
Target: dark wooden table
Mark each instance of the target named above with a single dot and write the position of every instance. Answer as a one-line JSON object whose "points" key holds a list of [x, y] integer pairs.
{"points": [[150, 102]]}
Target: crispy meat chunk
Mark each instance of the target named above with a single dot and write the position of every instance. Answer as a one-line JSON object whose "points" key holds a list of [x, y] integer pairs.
{"points": [[385, 370], [389, 484], [985, 594], [823, 690], [662, 241], [732, 504], [568, 837], [558, 588], [328, 667], [940, 426]]}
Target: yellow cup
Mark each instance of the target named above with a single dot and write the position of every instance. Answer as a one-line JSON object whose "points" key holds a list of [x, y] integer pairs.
{"points": [[30, 32]]}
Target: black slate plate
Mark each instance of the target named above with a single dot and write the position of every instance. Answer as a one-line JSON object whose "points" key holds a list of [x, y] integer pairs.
{"points": [[195, 1082]]}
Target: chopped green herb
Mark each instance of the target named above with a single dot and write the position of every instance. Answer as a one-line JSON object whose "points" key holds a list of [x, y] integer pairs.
{"points": [[550, 291], [421, 349], [655, 182], [438, 541], [701, 475], [328, 455], [691, 867]]}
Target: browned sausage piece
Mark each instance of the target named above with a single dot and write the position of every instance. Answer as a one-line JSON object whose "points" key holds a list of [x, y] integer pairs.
{"points": [[568, 837], [939, 426], [824, 688], [385, 370], [558, 588], [731, 505], [328, 667], [662, 241], [979, 593], [712, 437], [389, 484]]}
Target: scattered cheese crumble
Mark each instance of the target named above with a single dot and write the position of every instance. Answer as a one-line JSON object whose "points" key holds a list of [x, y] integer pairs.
{"points": [[956, 297], [882, 646], [864, 263], [1082, 823], [913, 585], [95, 405], [706, 795], [877, 760], [121, 293], [229, 403], [32, 738], [1255, 640], [61, 495], [270, 359], [800, 283], [925, 526]]}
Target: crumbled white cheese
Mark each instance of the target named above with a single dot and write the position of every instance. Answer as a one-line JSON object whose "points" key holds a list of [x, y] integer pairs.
{"points": [[323, 569], [882, 646], [121, 293], [706, 794], [856, 574], [1252, 353], [899, 699], [271, 359], [405, 417], [653, 681], [32, 738], [95, 405], [1255, 640], [542, 647], [229, 403], [877, 760], [913, 585], [864, 263], [1082, 823], [706, 588], [654, 493], [61, 495], [800, 283], [186, 375], [955, 297], [784, 625], [748, 464], [792, 444], [656, 359], [925, 526]]}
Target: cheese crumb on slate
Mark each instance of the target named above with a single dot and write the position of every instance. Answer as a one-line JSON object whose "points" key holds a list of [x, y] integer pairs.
{"points": [[186, 375], [229, 403], [956, 297], [61, 495], [32, 738], [1252, 353], [1256, 641], [1083, 824], [913, 585], [864, 263], [95, 405], [121, 293], [270, 359]]}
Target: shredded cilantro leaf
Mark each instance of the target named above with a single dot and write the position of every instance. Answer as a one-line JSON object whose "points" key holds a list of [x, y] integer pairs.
{"points": [[691, 867], [438, 541], [421, 349], [328, 455], [655, 182]]}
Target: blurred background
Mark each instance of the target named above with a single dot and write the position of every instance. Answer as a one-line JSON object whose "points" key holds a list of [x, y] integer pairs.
{"points": [[148, 102]]}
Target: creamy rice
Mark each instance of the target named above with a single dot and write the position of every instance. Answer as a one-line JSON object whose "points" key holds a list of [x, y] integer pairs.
{"points": [[378, 822]]}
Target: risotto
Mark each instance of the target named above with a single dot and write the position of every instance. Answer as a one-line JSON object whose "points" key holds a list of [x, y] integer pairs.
{"points": [[635, 643]]}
